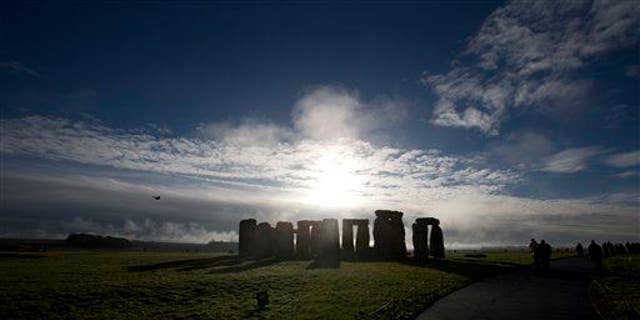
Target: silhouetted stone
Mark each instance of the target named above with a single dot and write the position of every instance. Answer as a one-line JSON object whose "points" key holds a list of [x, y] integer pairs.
{"points": [[329, 238], [306, 238], [429, 221], [315, 238], [247, 237], [362, 236], [435, 245], [303, 239], [388, 235], [420, 241], [303, 235], [436, 242], [347, 236], [283, 239], [264, 240]]}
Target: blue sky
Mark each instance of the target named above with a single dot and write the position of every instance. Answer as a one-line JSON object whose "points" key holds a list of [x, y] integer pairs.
{"points": [[506, 120]]}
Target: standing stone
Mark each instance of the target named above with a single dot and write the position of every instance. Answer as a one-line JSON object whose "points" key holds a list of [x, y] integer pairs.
{"points": [[264, 240], [347, 236], [247, 237], [437, 241], [329, 238], [315, 238], [303, 239], [388, 235], [429, 221], [283, 240], [362, 237], [420, 238]]}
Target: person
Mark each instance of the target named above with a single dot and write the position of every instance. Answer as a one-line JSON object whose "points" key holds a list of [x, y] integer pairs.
{"points": [[595, 253], [533, 245], [545, 254], [605, 250], [580, 250]]}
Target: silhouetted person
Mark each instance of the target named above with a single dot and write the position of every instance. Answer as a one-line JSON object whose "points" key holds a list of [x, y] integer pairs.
{"points": [[612, 249], [580, 250], [533, 247], [607, 250], [595, 253], [628, 246], [621, 249], [545, 254]]}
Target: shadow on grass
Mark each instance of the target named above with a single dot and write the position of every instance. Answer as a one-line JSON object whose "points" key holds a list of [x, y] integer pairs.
{"points": [[247, 265], [471, 270], [219, 264], [255, 313], [325, 263]]}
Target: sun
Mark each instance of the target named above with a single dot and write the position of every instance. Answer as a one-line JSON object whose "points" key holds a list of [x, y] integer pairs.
{"points": [[336, 183]]}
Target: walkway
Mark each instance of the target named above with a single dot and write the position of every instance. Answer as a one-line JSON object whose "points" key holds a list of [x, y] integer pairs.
{"points": [[522, 295]]}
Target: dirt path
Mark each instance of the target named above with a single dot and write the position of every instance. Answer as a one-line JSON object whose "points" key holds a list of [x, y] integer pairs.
{"points": [[522, 295]]}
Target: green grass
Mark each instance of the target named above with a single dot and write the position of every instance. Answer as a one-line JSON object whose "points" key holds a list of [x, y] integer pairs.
{"points": [[165, 285], [615, 292]]}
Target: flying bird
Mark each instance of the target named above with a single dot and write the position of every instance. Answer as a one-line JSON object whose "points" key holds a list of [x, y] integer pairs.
{"points": [[156, 197]]}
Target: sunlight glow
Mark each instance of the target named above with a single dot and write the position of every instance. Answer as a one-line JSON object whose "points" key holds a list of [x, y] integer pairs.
{"points": [[336, 182]]}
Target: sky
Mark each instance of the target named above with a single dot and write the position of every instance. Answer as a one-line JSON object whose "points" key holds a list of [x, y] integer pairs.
{"points": [[505, 120]]}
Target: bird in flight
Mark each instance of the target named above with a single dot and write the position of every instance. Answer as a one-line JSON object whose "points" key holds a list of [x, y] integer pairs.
{"points": [[156, 197]]}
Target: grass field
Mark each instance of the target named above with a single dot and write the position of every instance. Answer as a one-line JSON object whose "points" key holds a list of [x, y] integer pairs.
{"points": [[615, 292], [179, 285]]}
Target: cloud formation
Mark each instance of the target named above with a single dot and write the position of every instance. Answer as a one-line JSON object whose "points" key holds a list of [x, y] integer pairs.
{"points": [[328, 113], [622, 160], [526, 55], [570, 160], [61, 172]]}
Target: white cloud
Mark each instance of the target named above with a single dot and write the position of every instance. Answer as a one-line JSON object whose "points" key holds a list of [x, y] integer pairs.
{"points": [[328, 113], [622, 160], [249, 132], [627, 174], [570, 160], [323, 161], [283, 167], [201, 212], [525, 55]]}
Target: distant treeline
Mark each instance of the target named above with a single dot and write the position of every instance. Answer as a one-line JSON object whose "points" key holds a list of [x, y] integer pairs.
{"points": [[216, 246], [90, 241], [30, 245]]}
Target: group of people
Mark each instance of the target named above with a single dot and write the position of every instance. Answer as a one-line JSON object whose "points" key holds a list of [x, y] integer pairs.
{"points": [[541, 254], [608, 249]]}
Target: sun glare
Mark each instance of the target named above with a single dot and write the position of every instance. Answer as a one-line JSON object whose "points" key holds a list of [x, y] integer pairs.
{"points": [[336, 183]]}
